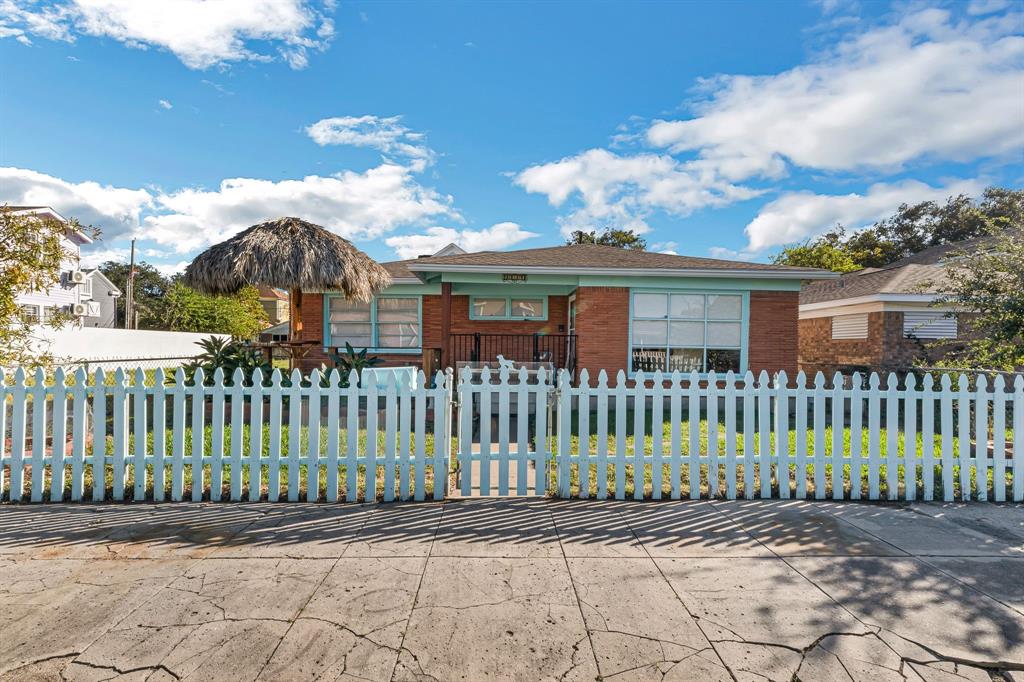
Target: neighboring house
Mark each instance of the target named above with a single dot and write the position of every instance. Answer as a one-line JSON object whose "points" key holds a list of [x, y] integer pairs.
{"points": [[275, 303], [880, 319], [598, 307], [278, 332], [72, 293], [104, 294]]}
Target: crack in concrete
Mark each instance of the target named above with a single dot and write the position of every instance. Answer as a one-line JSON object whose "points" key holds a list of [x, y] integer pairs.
{"points": [[124, 671]]}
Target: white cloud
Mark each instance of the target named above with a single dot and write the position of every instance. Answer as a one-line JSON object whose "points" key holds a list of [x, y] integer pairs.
{"points": [[170, 269], [798, 215], [115, 210], [671, 248], [164, 104], [926, 88], [355, 205], [495, 237], [95, 256], [383, 133], [620, 191], [201, 34]]}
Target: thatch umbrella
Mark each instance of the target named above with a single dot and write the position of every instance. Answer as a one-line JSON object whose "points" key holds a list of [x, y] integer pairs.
{"points": [[287, 253]]}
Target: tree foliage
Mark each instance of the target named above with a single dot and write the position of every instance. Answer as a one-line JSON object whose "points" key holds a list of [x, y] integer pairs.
{"points": [[911, 229], [150, 287], [624, 239], [988, 283], [185, 309], [32, 253]]}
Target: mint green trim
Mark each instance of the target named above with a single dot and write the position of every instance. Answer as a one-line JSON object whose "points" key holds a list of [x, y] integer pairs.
{"points": [[744, 323], [496, 278], [508, 306], [329, 341], [717, 284]]}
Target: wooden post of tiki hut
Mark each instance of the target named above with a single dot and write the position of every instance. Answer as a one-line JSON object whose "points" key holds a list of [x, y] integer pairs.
{"points": [[292, 254]]}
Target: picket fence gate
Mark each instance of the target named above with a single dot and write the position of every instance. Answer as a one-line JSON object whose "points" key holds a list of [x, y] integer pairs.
{"points": [[652, 435], [307, 432]]}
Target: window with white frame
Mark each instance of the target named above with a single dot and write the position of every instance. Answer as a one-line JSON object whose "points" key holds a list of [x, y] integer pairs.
{"points": [[29, 314], [507, 308], [687, 332], [385, 323]]}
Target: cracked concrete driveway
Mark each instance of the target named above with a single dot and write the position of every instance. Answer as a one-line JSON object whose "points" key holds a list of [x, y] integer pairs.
{"points": [[514, 589]]}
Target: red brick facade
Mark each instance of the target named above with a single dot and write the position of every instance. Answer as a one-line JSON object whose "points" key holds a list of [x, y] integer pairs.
{"points": [[885, 349], [602, 328]]}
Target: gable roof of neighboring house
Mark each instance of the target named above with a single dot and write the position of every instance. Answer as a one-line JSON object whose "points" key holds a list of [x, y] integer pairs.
{"points": [[919, 275], [597, 259], [273, 293], [77, 235], [98, 274]]}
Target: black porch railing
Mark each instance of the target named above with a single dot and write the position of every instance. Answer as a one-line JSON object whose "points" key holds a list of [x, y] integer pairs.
{"points": [[558, 349]]}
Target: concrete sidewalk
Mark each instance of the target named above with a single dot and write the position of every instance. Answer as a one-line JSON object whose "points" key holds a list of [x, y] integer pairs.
{"points": [[513, 589]]}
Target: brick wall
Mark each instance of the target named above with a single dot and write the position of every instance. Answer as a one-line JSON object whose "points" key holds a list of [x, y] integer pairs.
{"points": [[602, 330], [774, 331]]}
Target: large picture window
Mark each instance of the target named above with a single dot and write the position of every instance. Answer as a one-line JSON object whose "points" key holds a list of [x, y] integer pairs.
{"points": [[687, 332], [385, 323]]}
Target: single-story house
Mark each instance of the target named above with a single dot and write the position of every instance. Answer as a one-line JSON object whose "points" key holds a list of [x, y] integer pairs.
{"points": [[575, 306], [881, 319]]}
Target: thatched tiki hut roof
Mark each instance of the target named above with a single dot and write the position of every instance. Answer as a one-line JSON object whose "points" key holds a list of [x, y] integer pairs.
{"points": [[288, 253]]}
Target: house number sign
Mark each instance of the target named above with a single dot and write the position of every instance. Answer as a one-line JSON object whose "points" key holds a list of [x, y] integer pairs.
{"points": [[510, 277]]}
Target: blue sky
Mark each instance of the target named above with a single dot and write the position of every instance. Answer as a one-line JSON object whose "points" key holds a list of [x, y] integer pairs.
{"points": [[720, 129]]}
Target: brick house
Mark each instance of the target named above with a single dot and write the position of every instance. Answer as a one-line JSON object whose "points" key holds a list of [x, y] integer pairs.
{"points": [[880, 319], [574, 306]]}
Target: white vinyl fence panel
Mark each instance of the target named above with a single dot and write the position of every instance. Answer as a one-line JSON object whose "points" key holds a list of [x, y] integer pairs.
{"points": [[222, 437]]}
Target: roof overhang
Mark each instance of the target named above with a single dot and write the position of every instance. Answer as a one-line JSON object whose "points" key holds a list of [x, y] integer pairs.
{"points": [[628, 272], [876, 303], [77, 234]]}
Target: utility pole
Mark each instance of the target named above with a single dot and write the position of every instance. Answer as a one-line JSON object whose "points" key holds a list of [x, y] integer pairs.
{"points": [[129, 299]]}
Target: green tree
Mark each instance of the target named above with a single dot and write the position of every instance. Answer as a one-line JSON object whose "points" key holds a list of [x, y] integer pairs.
{"points": [[912, 228], [150, 287], [988, 283], [624, 239], [184, 309], [32, 253]]}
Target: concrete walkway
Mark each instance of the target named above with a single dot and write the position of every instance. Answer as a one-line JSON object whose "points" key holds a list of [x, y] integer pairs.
{"points": [[513, 589]]}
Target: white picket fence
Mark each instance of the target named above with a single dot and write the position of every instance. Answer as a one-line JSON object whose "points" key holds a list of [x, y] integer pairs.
{"points": [[518, 432], [767, 438], [244, 434]]}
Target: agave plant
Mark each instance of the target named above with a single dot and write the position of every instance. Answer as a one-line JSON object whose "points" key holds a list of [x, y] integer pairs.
{"points": [[347, 361]]}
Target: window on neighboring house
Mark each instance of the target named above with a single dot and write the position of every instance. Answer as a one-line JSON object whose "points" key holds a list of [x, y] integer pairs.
{"points": [[388, 322], [687, 332], [85, 288], [850, 326], [30, 314], [929, 325], [508, 308], [48, 313]]}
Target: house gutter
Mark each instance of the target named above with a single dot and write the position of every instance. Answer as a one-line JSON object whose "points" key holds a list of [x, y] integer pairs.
{"points": [[630, 272]]}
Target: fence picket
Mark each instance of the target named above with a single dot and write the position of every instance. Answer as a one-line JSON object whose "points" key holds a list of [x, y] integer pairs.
{"points": [[352, 437], [1018, 439], [198, 394], [749, 410], [442, 432], [4, 392], [999, 439], [657, 433], [693, 419], [256, 435], [964, 436], [313, 401], [910, 438], [404, 439], [19, 414], [237, 396], [583, 434], [274, 470], [639, 415], [485, 431], [981, 437], [838, 426], [419, 465], [892, 432], [602, 435], [466, 432], [856, 437], [58, 432], [620, 435], [38, 394], [819, 436], [333, 429], [217, 436], [138, 395], [294, 395], [99, 437], [159, 434], [781, 433], [801, 436], [764, 433], [928, 438], [541, 435], [178, 392], [369, 383], [390, 434], [120, 433], [730, 435], [946, 407], [564, 434], [504, 416], [874, 437]]}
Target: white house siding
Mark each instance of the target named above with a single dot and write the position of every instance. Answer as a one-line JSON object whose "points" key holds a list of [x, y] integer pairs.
{"points": [[106, 302], [62, 293]]}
